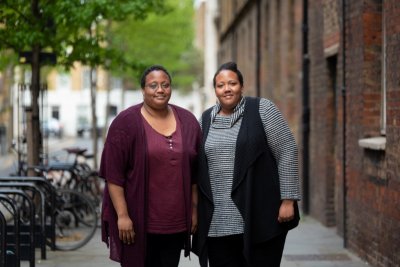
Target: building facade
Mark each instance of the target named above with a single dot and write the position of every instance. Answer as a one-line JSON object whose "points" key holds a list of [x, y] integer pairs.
{"points": [[332, 69]]}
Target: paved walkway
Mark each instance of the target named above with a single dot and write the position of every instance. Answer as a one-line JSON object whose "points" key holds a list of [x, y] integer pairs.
{"points": [[309, 245]]}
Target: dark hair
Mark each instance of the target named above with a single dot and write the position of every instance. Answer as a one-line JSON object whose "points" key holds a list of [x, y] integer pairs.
{"points": [[151, 69], [232, 67]]}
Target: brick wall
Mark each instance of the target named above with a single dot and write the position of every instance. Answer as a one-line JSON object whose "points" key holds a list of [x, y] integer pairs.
{"points": [[324, 114], [373, 228], [277, 49], [372, 176], [367, 213], [278, 45]]}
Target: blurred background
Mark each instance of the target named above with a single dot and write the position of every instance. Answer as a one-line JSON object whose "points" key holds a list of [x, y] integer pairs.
{"points": [[68, 67]]}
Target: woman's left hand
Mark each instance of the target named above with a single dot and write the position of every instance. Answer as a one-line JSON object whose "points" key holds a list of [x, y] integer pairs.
{"points": [[286, 211]]}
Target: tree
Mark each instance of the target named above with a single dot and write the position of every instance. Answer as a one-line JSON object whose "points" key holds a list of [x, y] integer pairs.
{"points": [[71, 30], [165, 39]]}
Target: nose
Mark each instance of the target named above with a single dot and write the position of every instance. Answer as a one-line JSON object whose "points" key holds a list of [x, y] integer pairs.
{"points": [[160, 89], [227, 87]]}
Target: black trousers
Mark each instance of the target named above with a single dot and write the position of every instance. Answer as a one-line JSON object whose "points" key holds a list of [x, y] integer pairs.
{"points": [[227, 251], [164, 250]]}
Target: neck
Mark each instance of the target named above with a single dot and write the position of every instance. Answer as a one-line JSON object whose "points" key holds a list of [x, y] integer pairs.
{"points": [[228, 110], [225, 112], [156, 113]]}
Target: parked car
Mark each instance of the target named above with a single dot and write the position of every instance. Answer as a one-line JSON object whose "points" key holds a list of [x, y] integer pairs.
{"points": [[52, 127], [86, 129]]}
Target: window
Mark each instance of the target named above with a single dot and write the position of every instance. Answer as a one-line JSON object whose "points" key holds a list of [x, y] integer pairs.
{"points": [[112, 110], [55, 112], [86, 78], [116, 83]]}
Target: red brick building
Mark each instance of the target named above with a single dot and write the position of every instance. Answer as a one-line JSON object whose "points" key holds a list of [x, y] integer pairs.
{"points": [[333, 70]]}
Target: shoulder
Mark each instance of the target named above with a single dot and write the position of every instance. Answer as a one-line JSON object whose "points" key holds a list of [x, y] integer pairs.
{"points": [[266, 104], [254, 104], [208, 111], [207, 114], [126, 120], [184, 115]]}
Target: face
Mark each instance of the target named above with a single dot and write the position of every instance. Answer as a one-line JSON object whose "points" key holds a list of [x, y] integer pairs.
{"points": [[157, 90], [228, 89]]}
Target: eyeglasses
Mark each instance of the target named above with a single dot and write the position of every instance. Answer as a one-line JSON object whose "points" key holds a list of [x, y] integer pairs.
{"points": [[154, 86]]}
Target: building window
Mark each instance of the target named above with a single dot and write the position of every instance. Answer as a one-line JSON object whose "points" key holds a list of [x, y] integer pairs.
{"points": [[83, 116], [63, 81], [86, 78], [55, 112], [112, 110], [116, 83]]}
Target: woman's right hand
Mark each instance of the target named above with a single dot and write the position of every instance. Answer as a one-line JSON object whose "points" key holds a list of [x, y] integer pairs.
{"points": [[124, 223], [125, 229]]}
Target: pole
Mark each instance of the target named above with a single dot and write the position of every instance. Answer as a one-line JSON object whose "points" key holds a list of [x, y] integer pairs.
{"points": [[306, 112], [344, 123]]}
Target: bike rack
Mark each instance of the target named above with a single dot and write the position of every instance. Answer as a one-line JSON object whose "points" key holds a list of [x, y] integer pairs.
{"points": [[51, 190], [33, 188], [16, 216], [31, 252]]}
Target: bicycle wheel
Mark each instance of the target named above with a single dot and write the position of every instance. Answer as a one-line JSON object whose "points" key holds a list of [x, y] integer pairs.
{"points": [[76, 220], [92, 187]]}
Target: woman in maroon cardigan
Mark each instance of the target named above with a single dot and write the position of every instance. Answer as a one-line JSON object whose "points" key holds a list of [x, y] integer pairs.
{"points": [[150, 201]]}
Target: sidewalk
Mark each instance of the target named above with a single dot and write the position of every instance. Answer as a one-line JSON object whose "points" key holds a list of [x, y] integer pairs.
{"points": [[313, 245], [309, 245]]}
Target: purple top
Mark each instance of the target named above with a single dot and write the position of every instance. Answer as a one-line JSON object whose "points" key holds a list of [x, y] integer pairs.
{"points": [[124, 162], [166, 197]]}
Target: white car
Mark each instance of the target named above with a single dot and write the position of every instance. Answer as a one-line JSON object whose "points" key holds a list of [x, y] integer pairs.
{"points": [[52, 127]]}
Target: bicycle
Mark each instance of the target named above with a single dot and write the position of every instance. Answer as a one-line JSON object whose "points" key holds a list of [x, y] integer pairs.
{"points": [[70, 218], [75, 174], [76, 220], [77, 201], [21, 167]]}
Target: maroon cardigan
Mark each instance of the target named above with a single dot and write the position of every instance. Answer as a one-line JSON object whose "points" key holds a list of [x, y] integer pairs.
{"points": [[124, 163]]}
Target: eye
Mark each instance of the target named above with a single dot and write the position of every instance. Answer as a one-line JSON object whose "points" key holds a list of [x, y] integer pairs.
{"points": [[165, 85], [233, 84], [220, 85], [153, 86]]}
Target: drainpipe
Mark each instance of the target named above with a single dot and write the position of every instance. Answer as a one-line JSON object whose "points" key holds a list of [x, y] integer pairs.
{"points": [[258, 53], [306, 111], [234, 33], [344, 122]]}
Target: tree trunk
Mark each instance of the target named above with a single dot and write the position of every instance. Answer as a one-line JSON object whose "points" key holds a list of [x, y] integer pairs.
{"points": [[8, 105], [94, 117], [34, 137], [33, 132], [108, 88]]}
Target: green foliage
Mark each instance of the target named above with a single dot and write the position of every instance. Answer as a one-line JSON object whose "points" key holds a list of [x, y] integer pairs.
{"points": [[165, 39], [122, 35], [7, 58], [74, 30]]}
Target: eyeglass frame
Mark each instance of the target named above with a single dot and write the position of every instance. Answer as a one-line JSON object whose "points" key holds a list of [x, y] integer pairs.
{"points": [[154, 86]]}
